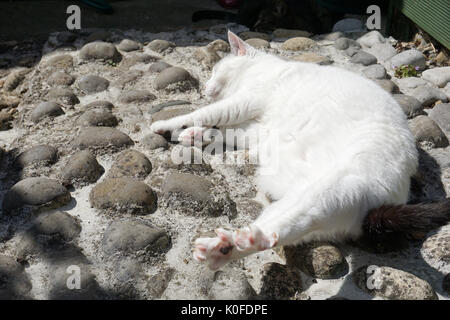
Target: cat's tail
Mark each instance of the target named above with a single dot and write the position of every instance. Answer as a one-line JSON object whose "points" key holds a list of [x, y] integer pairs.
{"points": [[213, 14], [407, 219]]}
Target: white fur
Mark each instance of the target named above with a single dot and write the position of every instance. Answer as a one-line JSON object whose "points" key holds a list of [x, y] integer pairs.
{"points": [[341, 143]]}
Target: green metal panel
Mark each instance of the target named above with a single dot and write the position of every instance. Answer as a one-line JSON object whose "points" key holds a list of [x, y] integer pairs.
{"points": [[433, 16]]}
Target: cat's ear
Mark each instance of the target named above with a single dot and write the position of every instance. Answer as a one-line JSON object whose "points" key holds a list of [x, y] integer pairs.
{"points": [[238, 46]]}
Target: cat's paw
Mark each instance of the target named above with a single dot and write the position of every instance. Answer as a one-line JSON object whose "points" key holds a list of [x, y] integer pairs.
{"points": [[161, 127], [253, 238], [215, 252], [189, 136]]}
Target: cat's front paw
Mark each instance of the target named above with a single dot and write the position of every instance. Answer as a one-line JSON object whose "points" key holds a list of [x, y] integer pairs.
{"points": [[193, 136], [161, 127], [253, 238], [215, 252]]}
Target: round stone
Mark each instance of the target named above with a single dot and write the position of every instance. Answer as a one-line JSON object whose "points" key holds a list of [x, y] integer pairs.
{"points": [[392, 284], [428, 95], [57, 223], [128, 45], [382, 51], [376, 71], [280, 282], [61, 62], [35, 191], [134, 236], [123, 195], [387, 85], [60, 78], [136, 58], [92, 84], [290, 33], [136, 96], [46, 109], [38, 154], [371, 38], [97, 117], [312, 58], [14, 281], [218, 45], [437, 247], [154, 141], [363, 58], [254, 35], [101, 104], [63, 95], [345, 43], [231, 286], [8, 102], [298, 44], [100, 51], [161, 106], [258, 43], [441, 115], [412, 56], [410, 105], [348, 25], [159, 66], [15, 78], [207, 56], [174, 75], [438, 76], [318, 260], [81, 169], [127, 78], [426, 130], [168, 114], [130, 163], [101, 137], [160, 45]]}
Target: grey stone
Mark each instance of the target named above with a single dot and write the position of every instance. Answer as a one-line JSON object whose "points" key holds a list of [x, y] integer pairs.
{"points": [[345, 43], [123, 195], [60, 78], [251, 35], [130, 163], [81, 169], [6, 120], [412, 56], [312, 58], [410, 105], [161, 106], [428, 95], [348, 25], [101, 104], [8, 101], [438, 76], [159, 66], [99, 35], [351, 51], [280, 282], [317, 259], [168, 114], [363, 58], [14, 281], [229, 285], [426, 130], [160, 45], [35, 191], [131, 236], [371, 38], [376, 71], [136, 58], [258, 43], [136, 96], [63, 95], [37, 154], [59, 62], [101, 137], [382, 51], [100, 51], [332, 36], [437, 247], [174, 75], [393, 284], [57, 223], [92, 84], [154, 141], [290, 33], [298, 43], [441, 115], [128, 45], [15, 78], [408, 83], [127, 78], [195, 195], [388, 85], [97, 117], [46, 109]]}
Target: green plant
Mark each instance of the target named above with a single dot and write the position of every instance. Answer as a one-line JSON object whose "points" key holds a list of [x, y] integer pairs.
{"points": [[406, 70]]}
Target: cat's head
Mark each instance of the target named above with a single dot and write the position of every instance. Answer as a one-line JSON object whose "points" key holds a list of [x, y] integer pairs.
{"points": [[226, 72]]}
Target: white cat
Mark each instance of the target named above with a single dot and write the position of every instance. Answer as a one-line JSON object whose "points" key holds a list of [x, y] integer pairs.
{"points": [[342, 144]]}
